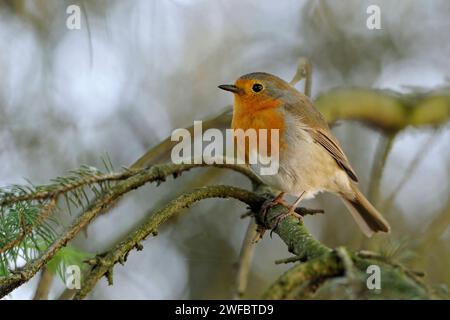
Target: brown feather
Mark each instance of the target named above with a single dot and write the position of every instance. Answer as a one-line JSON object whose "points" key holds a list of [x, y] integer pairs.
{"points": [[331, 145], [316, 125]]}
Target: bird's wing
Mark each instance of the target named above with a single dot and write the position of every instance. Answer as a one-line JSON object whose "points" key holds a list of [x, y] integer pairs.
{"points": [[330, 144], [318, 128]]}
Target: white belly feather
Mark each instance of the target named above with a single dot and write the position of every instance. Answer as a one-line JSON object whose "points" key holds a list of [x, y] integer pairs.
{"points": [[305, 166]]}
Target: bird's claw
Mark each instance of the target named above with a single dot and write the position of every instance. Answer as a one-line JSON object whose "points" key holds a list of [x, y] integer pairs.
{"points": [[262, 230], [267, 205], [259, 233], [283, 216]]}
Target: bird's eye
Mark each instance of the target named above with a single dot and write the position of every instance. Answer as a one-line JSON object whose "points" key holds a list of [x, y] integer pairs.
{"points": [[257, 87]]}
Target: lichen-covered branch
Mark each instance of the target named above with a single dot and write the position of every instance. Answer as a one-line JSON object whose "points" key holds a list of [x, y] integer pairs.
{"points": [[156, 173], [44, 285], [245, 258], [297, 238], [56, 189], [318, 269], [384, 109], [103, 264], [320, 263]]}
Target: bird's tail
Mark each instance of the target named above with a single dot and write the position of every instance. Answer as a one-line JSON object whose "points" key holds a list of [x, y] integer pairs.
{"points": [[367, 217]]}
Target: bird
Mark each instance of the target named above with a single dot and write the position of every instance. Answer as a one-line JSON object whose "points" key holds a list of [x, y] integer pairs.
{"points": [[311, 159]]}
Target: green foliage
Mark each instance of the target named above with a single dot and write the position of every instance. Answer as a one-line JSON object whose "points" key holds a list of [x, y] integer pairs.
{"points": [[398, 250], [28, 224], [27, 250], [18, 246], [67, 256]]}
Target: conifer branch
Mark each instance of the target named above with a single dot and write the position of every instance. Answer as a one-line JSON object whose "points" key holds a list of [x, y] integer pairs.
{"points": [[104, 263], [155, 173]]}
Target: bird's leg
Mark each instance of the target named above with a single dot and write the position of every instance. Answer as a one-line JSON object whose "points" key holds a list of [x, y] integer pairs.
{"points": [[263, 213], [295, 205], [291, 211], [271, 203]]}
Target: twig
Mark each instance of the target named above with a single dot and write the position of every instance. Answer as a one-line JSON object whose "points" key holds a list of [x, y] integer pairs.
{"points": [[120, 252], [27, 229], [161, 152], [245, 259], [288, 260], [44, 285], [155, 173], [104, 264], [383, 149], [248, 246], [420, 155], [310, 274], [325, 266], [321, 263], [64, 188], [384, 110], [304, 71], [67, 294]]}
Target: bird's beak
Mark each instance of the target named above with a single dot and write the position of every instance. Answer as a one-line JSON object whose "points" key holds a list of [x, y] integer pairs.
{"points": [[230, 87]]}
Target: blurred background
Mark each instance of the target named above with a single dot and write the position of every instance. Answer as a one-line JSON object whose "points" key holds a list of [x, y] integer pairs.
{"points": [[138, 69]]}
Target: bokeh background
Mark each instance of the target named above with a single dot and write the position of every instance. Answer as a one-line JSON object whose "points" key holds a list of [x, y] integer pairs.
{"points": [[138, 69]]}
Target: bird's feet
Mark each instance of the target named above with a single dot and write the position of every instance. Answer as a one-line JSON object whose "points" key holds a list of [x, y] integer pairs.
{"points": [[270, 203], [291, 211], [261, 230], [267, 205], [284, 215]]}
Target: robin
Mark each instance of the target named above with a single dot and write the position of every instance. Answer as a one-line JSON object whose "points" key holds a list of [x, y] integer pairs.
{"points": [[310, 157]]}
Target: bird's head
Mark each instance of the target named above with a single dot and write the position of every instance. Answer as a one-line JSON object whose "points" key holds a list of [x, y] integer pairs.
{"points": [[259, 90]]}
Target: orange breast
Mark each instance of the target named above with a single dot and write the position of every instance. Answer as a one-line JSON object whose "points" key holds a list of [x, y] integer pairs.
{"points": [[267, 116]]}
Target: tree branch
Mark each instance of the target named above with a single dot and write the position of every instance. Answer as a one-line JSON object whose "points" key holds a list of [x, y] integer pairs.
{"points": [[385, 109], [44, 285], [156, 173], [245, 258], [103, 264], [321, 263], [297, 238]]}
